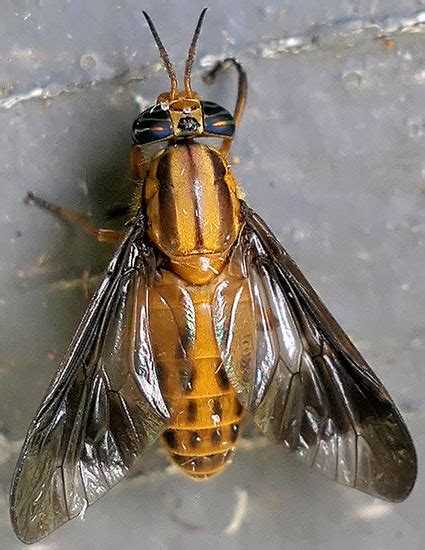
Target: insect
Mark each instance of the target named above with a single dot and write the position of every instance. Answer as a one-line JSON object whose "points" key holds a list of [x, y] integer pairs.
{"points": [[202, 319]]}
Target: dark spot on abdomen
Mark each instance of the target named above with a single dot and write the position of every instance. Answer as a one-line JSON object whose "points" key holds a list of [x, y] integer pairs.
{"points": [[186, 379], [238, 408], [215, 436], [234, 432], [195, 439], [170, 438], [191, 411], [216, 407], [222, 379]]}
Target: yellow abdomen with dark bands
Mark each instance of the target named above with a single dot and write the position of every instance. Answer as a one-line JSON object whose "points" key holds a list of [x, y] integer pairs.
{"points": [[204, 429], [206, 414]]}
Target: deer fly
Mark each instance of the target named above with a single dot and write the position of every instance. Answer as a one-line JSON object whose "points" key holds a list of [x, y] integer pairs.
{"points": [[201, 320]]}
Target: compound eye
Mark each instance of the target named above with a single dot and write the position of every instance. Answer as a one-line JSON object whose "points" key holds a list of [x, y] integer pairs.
{"points": [[153, 124], [217, 120]]}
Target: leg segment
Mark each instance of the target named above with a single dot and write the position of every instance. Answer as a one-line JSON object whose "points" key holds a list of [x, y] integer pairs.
{"points": [[102, 235], [220, 66]]}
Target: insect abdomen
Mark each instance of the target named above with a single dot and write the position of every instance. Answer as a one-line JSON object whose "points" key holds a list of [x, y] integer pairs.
{"points": [[204, 427]]}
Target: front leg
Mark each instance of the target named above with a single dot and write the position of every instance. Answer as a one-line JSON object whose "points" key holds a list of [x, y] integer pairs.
{"points": [[211, 75], [101, 235]]}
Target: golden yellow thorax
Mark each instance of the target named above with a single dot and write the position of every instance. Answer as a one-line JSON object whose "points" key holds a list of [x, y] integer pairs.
{"points": [[193, 209]]}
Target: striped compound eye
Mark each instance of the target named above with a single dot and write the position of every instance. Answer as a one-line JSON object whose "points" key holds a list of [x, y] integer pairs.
{"points": [[154, 124], [217, 120]]}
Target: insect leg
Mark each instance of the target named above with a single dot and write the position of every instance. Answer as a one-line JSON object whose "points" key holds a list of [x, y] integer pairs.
{"points": [[220, 66], [102, 235]]}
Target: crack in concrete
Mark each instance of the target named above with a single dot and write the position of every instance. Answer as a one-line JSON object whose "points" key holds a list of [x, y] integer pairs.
{"points": [[337, 34]]}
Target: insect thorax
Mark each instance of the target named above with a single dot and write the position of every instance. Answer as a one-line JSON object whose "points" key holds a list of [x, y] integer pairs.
{"points": [[193, 209]]}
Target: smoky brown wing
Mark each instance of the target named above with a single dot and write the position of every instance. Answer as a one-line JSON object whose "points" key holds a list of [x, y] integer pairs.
{"points": [[102, 409], [305, 382]]}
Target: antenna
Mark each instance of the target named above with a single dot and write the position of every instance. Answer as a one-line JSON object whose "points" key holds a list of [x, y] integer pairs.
{"points": [[164, 55], [192, 52]]}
